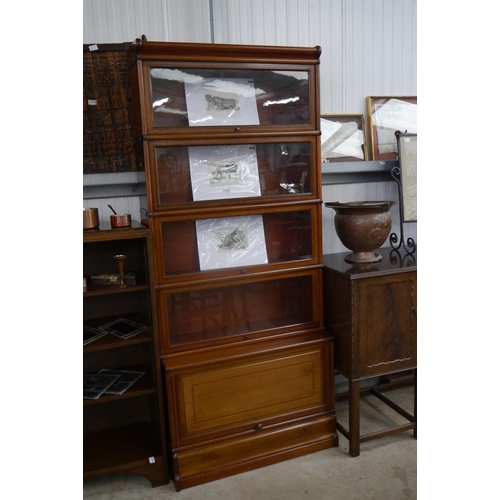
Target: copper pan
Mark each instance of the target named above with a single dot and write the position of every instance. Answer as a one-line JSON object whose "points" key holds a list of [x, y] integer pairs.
{"points": [[119, 220], [90, 218]]}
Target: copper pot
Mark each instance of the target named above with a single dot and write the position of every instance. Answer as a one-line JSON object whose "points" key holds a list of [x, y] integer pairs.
{"points": [[119, 220], [90, 218], [122, 220]]}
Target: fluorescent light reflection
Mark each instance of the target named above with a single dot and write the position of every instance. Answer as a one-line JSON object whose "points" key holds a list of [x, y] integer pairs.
{"points": [[281, 101], [232, 87], [170, 110], [175, 74], [201, 120], [298, 75], [160, 102]]}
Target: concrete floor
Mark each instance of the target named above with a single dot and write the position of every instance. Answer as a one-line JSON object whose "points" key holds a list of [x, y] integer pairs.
{"points": [[385, 470]]}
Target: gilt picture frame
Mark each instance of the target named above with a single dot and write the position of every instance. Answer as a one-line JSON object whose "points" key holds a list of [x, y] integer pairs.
{"points": [[386, 115], [343, 138]]}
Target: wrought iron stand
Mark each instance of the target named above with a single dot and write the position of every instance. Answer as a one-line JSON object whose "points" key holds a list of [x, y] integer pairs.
{"points": [[409, 246]]}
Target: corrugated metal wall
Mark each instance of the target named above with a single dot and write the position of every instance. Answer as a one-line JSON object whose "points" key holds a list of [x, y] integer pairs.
{"points": [[116, 21], [369, 47]]}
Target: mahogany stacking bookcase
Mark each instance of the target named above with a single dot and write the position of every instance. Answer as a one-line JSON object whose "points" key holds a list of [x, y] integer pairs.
{"points": [[229, 137]]}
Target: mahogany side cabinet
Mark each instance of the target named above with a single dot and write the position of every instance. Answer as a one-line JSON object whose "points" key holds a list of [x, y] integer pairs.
{"points": [[371, 310]]}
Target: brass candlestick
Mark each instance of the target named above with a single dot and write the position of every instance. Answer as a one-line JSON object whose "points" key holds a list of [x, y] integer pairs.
{"points": [[121, 263]]}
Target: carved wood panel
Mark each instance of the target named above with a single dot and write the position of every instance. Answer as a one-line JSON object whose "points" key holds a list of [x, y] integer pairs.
{"points": [[108, 141]]}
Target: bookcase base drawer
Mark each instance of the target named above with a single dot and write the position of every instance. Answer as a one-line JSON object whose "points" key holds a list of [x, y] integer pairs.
{"points": [[257, 449]]}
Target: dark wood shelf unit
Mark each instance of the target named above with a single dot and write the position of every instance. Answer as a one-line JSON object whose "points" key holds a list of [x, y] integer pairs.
{"points": [[124, 450], [96, 290], [106, 233], [111, 342], [123, 433]]}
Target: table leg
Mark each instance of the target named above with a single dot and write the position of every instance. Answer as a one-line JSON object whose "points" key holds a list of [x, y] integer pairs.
{"points": [[354, 429], [415, 405]]}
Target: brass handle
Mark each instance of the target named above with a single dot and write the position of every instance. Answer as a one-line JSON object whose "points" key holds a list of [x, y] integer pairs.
{"points": [[259, 427]]}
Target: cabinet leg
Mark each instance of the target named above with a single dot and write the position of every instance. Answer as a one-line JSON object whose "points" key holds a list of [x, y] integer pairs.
{"points": [[415, 405], [354, 430]]}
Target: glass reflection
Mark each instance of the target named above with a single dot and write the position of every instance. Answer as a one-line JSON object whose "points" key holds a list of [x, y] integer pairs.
{"points": [[210, 97]]}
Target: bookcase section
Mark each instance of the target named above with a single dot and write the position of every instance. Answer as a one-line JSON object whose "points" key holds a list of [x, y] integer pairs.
{"points": [[230, 140]]}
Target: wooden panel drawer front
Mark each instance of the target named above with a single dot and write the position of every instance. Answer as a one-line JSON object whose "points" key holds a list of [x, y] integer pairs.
{"points": [[250, 392], [231, 456], [388, 339]]}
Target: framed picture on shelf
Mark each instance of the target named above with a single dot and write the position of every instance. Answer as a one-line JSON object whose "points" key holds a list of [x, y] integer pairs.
{"points": [[96, 384], [407, 149], [125, 380], [386, 115], [123, 328], [90, 334], [343, 138]]}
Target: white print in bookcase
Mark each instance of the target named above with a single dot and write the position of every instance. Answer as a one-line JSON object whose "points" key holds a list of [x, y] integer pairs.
{"points": [[231, 239], [231, 242], [217, 103], [225, 173]]}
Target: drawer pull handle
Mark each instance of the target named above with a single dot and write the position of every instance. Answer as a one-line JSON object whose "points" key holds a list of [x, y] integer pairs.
{"points": [[259, 427], [414, 309]]}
